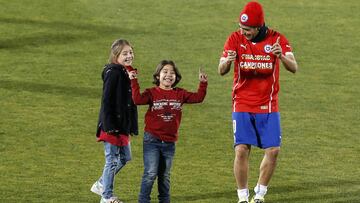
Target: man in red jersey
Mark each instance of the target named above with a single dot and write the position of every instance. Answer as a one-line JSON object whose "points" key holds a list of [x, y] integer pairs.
{"points": [[256, 52]]}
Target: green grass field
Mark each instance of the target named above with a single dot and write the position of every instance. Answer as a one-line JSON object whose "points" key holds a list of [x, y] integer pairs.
{"points": [[51, 57]]}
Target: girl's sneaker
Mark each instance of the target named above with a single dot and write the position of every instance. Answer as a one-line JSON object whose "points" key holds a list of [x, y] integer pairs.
{"points": [[110, 200], [97, 188]]}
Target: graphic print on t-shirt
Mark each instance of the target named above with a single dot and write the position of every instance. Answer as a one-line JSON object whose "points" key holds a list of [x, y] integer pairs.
{"points": [[166, 107]]}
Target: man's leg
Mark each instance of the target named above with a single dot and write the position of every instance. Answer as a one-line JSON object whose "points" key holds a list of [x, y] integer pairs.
{"points": [[268, 165], [244, 137], [269, 132], [267, 168], [241, 169]]}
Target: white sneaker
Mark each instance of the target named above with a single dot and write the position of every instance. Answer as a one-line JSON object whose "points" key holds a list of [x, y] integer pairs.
{"points": [[97, 188], [110, 200], [257, 200], [243, 200]]}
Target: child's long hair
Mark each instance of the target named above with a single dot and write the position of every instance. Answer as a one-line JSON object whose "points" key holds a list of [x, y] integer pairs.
{"points": [[159, 67], [116, 48]]}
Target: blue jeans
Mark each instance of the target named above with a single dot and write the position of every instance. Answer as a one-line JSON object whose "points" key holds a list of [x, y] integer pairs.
{"points": [[158, 156], [115, 158]]}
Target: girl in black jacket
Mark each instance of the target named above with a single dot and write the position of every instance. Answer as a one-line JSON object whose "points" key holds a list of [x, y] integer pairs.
{"points": [[117, 118]]}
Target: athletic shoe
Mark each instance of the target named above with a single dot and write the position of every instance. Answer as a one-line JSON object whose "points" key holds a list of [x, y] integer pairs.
{"points": [[257, 200], [243, 200], [110, 200], [97, 188]]}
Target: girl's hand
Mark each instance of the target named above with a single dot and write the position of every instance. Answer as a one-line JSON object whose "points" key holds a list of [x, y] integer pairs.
{"points": [[132, 74], [202, 75]]}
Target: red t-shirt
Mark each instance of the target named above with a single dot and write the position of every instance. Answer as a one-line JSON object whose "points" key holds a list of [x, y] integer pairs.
{"points": [[163, 117], [256, 72], [119, 140]]}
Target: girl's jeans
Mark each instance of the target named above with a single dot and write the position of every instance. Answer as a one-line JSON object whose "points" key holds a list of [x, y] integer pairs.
{"points": [[158, 156], [115, 158]]}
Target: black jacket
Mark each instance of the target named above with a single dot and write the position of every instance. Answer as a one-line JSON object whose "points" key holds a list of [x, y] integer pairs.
{"points": [[118, 111]]}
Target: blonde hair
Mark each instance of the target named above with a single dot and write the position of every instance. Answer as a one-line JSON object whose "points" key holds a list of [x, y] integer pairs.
{"points": [[116, 48]]}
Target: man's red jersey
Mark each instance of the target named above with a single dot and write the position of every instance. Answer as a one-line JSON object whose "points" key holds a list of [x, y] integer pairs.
{"points": [[256, 72]]}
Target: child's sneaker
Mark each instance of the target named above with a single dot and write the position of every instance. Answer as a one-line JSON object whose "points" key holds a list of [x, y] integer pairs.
{"points": [[97, 188], [257, 200], [110, 200]]}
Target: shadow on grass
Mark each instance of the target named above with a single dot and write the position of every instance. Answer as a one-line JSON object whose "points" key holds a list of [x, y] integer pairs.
{"points": [[39, 40], [65, 25], [320, 191], [91, 93], [320, 197], [315, 186], [301, 191], [205, 196], [62, 32]]}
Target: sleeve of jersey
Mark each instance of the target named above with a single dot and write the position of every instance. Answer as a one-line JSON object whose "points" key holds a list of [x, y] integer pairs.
{"points": [[139, 98], [196, 97], [285, 45], [230, 44]]}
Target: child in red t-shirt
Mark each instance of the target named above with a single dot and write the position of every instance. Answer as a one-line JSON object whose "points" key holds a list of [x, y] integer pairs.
{"points": [[162, 121]]}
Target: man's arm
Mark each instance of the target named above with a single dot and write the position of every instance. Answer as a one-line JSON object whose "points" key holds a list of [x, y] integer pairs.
{"points": [[288, 60], [224, 66]]}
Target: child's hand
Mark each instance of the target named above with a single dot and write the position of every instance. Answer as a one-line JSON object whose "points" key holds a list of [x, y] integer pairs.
{"points": [[132, 74], [202, 75]]}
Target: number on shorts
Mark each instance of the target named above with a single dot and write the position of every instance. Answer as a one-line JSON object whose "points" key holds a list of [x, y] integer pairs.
{"points": [[234, 126]]}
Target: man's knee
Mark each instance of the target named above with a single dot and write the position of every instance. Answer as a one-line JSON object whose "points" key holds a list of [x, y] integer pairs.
{"points": [[272, 153], [242, 151]]}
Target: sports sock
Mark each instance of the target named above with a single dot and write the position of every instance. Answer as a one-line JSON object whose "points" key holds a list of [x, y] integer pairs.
{"points": [[260, 191], [243, 194]]}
